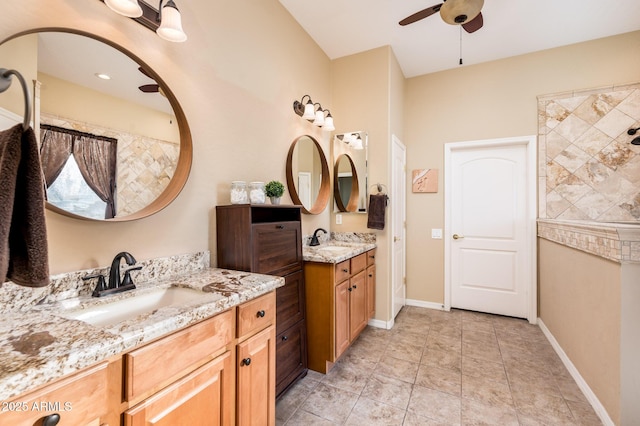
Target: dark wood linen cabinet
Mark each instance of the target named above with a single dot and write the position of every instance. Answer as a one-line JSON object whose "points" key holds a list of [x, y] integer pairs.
{"points": [[267, 239]]}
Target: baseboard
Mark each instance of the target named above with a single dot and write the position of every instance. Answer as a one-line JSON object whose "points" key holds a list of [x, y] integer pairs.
{"points": [[387, 325], [582, 384], [423, 304]]}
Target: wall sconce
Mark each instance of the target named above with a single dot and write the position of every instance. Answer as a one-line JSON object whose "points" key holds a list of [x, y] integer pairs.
{"points": [[309, 112], [166, 21], [352, 139]]}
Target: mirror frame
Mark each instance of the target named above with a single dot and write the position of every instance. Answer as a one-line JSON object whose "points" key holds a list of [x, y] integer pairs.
{"points": [[325, 185], [183, 167], [354, 197]]}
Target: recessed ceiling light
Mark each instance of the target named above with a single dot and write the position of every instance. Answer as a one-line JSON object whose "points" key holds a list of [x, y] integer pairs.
{"points": [[103, 76]]}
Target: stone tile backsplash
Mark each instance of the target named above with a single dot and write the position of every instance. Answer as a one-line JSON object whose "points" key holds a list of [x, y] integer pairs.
{"points": [[588, 169]]}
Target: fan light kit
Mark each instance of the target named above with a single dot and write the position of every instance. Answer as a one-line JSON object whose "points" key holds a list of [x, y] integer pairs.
{"points": [[308, 111], [166, 21], [466, 13]]}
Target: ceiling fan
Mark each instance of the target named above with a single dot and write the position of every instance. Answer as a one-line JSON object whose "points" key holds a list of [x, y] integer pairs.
{"points": [[455, 12], [150, 88]]}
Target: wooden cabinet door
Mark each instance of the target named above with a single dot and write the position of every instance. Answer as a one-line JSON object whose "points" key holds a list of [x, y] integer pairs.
{"points": [[290, 301], [202, 398], [291, 355], [277, 248], [371, 291], [256, 400], [342, 318], [357, 304]]}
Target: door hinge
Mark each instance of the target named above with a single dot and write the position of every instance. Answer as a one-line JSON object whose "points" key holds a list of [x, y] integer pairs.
{"points": [[404, 280]]}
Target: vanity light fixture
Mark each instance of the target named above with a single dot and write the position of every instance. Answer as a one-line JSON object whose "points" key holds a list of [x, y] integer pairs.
{"points": [[308, 111], [166, 21]]}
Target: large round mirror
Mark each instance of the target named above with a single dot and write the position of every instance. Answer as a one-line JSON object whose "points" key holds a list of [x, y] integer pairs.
{"points": [[308, 175], [115, 144], [346, 189]]}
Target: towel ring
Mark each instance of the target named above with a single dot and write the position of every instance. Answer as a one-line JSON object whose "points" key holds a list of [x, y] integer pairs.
{"points": [[379, 187], [5, 82]]}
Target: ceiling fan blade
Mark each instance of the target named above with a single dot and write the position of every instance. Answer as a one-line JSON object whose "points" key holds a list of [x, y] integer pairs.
{"points": [[143, 71], [474, 25], [149, 88], [421, 15]]}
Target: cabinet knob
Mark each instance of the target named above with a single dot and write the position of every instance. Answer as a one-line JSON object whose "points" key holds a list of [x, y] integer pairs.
{"points": [[285, 338], [51, 420], [371, 275], [355, 286], [350, 289], [345, 270], [261, 314], [246, 361]]}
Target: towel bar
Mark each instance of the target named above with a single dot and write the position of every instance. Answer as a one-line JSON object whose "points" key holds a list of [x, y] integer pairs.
{"points": [[5, 82]]}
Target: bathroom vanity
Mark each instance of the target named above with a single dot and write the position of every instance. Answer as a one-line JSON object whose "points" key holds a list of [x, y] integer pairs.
{"points": [[341, 278], [206, 360]]}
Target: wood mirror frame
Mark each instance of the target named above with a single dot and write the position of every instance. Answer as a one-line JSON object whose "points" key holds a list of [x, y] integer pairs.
{"points": [[183, 166], [325, 186], [352, 205]]}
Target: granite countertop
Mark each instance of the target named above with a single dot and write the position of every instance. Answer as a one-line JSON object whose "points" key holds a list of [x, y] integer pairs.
{"points": [[39, 345], [334, 251]]}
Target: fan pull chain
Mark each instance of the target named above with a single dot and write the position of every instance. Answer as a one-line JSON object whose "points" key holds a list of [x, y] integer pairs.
{"points": [[460, 44]]}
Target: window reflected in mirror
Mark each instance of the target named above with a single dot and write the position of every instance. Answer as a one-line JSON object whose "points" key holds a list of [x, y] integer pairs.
{"points": [[351, 191]]}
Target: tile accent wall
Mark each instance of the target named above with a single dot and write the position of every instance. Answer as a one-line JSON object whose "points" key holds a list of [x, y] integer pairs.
{"points": [[588, 168], [145, 165]]}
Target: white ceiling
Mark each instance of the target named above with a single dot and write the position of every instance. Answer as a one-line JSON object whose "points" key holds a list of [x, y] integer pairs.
{"points": [[511, 27]]}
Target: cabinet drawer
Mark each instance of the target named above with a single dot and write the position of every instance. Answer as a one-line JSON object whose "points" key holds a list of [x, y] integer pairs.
{"points": [[290, 301], [291, 355], [78, 400], [371, 257], [155, 363], [343, 270], [256, 314], [277, 247], [358, 263]]}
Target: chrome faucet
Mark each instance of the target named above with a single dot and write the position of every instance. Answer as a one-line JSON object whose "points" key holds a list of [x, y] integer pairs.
{"points": [[314, 239], [114, 274]]}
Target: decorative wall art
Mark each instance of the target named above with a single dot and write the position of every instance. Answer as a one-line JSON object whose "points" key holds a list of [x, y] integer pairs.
{"points": [[425, 180]]}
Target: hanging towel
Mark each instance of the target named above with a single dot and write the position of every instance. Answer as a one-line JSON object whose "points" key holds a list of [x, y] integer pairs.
{"points": [[23, 235], [377, 205]]}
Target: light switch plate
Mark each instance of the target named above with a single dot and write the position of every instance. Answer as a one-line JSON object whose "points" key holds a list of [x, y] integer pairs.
{"points": [[436, 234], [338, 219]]}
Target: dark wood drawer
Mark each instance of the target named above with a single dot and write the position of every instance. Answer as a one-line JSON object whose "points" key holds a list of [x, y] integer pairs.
{"points": [[291, 355], [290, 301], [277, 248]]}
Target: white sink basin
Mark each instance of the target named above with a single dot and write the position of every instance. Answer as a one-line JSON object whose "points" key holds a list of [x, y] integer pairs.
{"points": [[334, 249], [123, 309]]}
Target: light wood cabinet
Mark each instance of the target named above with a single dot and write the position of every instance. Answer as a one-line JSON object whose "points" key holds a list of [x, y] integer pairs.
{"points": [[371, 283], [338, 308], [80, 399]]}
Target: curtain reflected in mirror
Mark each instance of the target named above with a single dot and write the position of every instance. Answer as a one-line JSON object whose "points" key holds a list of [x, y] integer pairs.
{"points": [[308, 175], [351, 191]]}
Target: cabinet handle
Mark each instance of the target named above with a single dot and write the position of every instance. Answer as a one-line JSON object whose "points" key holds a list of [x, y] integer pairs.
{"points": [[355, 286], [279, 226], [350, 289], [246, 361], [345, 270], [51, 420], [285, 338], [261, 314]]}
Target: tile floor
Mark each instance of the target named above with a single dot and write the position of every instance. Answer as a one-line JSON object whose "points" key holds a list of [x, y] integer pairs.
{"points": [[442, 368]]}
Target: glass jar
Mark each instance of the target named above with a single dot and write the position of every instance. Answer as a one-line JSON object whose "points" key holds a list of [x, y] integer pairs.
{"points": [[257, 194], [239, 193]]}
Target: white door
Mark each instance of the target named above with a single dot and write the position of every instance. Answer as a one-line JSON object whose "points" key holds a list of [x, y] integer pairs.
{"points": [[304, 189], [490, 215], [398, 215]]}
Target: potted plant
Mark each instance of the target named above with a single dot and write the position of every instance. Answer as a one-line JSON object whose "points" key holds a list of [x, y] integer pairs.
{"points": [[274, 191]]}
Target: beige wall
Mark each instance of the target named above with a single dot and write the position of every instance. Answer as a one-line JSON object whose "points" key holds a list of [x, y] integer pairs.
{"points": [[583, 314], [236, 79], [486, 101]]}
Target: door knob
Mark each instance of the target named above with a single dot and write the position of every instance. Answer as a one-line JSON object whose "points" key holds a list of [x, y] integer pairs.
{"points": [[458, 237]]}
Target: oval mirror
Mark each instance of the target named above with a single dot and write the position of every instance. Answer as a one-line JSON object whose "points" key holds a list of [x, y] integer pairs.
{"points": [[345, 184], [308, 175], [350, 172], [115, 144]]}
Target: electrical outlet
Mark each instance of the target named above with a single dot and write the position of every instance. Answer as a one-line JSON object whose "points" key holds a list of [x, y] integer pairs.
{"points": [[436, 234], [338, 219]]}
